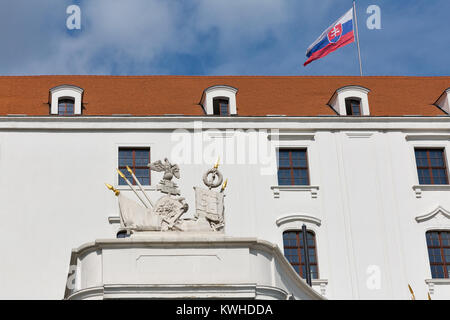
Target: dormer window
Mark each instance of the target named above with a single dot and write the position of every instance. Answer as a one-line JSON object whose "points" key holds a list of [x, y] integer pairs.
{"points": [[350, 101], [219, 100], [353, 106], [66, 100], [66, 106], [221, 107], [443, 101]]}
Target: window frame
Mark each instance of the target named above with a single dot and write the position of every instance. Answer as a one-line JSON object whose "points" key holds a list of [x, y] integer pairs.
{"points": [[291, 167], [124, 169], [65, 106], [219, 91], [445, 264], [430, 167], [298, 234], [350, 100], [66, 91], [219, 100], [337, 100]]}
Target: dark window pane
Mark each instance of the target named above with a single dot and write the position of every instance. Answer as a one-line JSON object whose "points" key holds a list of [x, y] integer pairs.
{"points": [[137, 159], [220, 107], [224, 109], [284, 162], [437, 162], [292, 167], [294, 252], [438, 253], [424, 176], [353, 107], [141, 162], [422, 162], [431, 166], [65, 107], [299, 163], [144, 180]]}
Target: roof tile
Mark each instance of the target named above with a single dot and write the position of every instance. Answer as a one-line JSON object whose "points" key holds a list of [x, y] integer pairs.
{"points": [[257, 95]]}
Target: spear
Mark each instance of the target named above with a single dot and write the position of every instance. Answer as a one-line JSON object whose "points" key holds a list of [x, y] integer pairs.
{"points": [[413, 297], [140, 186], [217, 163], [132, 188], [224, 185], [110, 187]]}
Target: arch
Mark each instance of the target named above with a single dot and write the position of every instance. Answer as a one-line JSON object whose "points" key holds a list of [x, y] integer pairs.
{"points": [[66, 91], [338, 100], [219, 92], [432, 214], [298, 217]]}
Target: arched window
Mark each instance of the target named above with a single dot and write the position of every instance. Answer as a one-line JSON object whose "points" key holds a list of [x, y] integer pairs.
{"points": [[294, 251], [221, 106], [66, 106], [219, 100], [353, 106], [66, 100], [350, 101], [438, 243]]}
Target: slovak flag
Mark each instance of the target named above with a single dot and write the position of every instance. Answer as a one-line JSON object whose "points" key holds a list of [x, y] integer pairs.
{"points": [[339, 34]]}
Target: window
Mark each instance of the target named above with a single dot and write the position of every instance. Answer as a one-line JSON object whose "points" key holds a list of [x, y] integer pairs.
{"points": [[431, 166], [353, 107], [66, 100], [438, 243], [66, 107], [219, 100], [293, 167], [351, 101], [294, 251], [220, 107], [137, 159]]}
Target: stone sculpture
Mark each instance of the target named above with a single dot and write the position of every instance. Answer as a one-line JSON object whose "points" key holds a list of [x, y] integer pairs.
{"points": [[166, 213]]}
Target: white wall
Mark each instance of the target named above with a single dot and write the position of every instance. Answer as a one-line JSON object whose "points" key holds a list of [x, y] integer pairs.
{"points": [[54, 198]]}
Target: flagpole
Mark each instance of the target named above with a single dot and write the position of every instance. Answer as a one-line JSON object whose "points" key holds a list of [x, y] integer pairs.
{"points": [[357, 38]]}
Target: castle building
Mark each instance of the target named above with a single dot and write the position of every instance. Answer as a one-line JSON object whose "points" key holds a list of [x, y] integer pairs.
{"points": [[321, 187]]}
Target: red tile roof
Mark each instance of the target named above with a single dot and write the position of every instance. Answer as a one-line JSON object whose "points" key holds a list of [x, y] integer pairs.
{"points": [[257, 95]]}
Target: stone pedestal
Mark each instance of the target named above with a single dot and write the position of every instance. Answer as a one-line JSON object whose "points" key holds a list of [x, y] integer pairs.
{"points": [[179, 265]]}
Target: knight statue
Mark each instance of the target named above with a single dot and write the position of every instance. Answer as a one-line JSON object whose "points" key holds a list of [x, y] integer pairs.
{"points": [[166, 213]]}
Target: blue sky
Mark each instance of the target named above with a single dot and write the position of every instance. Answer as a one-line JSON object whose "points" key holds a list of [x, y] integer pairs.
{"points": [[218, 37]]}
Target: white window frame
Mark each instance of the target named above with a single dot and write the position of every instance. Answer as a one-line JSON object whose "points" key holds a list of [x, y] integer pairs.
{"points": [[219, 91], [294, 222], [435, 220], [63, 92], [424, 141], [337, 101], [296, 141]]}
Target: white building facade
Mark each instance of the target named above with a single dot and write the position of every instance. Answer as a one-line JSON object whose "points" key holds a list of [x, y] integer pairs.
{"points": [[364, 198]]}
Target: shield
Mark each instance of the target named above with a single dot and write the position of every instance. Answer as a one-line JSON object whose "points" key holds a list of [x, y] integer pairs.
{"points": [[209, 204], [335, 33], [168, 208]]}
